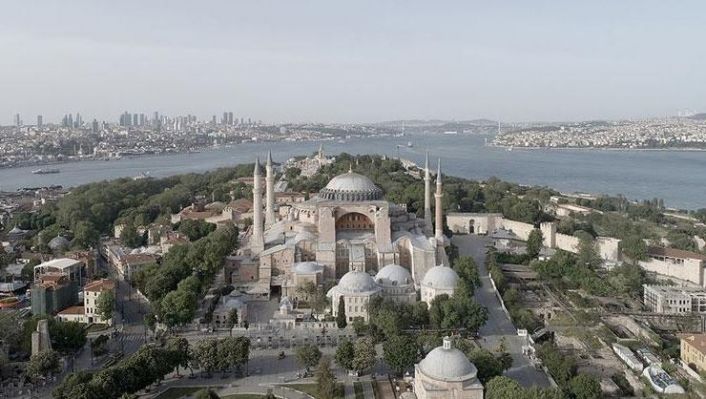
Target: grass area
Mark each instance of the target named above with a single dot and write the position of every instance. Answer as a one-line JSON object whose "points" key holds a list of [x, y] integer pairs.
{"points": [[97, 328], [358, 389], [588, 337], [177, 392], [312, 390]]}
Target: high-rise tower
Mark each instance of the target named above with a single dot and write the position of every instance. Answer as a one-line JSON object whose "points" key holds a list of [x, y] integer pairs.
{"points": [[427, 196], [257, 239], [270, 218], [439, 222]]}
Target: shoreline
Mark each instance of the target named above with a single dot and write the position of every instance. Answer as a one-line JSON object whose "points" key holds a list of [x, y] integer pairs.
{"points": [[619, 149]]}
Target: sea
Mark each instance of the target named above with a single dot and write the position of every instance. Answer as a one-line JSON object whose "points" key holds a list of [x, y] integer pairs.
{"points": [[678, 177]]}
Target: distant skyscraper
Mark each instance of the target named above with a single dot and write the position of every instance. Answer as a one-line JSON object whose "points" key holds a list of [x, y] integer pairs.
{"points": [[230, 118], [249, 121], [142, 119], [155, 118], [224, 121], [78, 122], [39, 121], [135, 120], [242, 121], [18, 121], [213, 120], [70, 121], [94, 126]]}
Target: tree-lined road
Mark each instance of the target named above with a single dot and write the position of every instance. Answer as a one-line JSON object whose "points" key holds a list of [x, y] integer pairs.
{"points": [[499, 325]]}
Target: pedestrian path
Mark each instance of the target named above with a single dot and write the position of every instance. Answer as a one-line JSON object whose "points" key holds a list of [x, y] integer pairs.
{"points": [[349, 393], [368, 390]]}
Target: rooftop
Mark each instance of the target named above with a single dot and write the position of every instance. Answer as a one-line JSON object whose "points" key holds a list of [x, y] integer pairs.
{"points": [[674, 253], [59, 263], [103, 284]]}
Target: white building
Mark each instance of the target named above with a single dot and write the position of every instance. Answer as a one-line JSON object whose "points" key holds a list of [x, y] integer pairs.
{"points": [[356, 288], [88, 313], [674, 300], [396, 283], [627, 356], [683, 265], [437, 281], [446, 372]]}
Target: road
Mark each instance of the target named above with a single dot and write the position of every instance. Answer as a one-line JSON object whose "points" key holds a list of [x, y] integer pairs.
{"points": [[499, 325]]}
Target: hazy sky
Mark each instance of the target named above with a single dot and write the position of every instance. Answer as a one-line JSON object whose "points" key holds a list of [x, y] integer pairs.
{"points": [[362, 61]]}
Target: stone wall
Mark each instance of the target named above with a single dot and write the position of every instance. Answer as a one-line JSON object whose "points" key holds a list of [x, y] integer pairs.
{"points": [[522, 230], [690, 270]]}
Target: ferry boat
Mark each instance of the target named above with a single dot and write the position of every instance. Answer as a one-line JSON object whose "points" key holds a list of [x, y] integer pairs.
{"points": [[45, 171]]}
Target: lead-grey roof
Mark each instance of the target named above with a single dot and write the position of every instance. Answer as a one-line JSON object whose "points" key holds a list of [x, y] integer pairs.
{"points": [[351, 187], [448, 365], [440, 277]]}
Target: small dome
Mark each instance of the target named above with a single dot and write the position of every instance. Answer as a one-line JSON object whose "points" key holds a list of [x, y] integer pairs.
{"points": [[307, 268], [393, 275], [58, 243], [440, 277], [446, 363], [356, 281], [351, 187]]}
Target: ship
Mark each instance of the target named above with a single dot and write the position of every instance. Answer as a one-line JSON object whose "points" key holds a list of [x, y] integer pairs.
{"points": [[45, 171]]}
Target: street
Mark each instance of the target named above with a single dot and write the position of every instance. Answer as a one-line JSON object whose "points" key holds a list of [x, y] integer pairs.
{"points": [[499, 325]]}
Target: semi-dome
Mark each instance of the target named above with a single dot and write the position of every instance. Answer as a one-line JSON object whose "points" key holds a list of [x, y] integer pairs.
{"points": [[393, 275], [356, 281], [307, 268], [440, 277], [446, 363], [58, 243], [351, 187]]}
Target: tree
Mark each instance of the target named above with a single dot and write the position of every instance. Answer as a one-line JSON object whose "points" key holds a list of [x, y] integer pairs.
{"points": [[585, 386], [488, 365], [129, 236], [105, 305], [308, 355], [178, 307], [42, 364], [364, 356], [341, 314], [534, 243], [344, 355], [634, 248], [325, 379], [85, 234], [206, 354], [503, 388], [206, 393], [467, 271], [400, 352], [587, 255], [232, 320]]}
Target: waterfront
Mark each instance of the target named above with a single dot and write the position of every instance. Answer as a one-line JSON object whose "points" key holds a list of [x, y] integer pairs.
{"points": [[676, 176]]}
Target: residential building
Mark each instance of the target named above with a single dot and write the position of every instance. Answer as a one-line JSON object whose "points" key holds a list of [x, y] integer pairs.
{"points": [[674, 300], [87, 313], [693, 351]]}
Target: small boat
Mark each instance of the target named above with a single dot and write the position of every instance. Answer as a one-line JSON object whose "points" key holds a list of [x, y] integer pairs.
{"points": [[45, 171], [409, 144], [141, 176]]}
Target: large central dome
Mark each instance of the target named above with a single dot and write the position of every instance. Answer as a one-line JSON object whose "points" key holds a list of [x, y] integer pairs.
{"points": [[351, 187], [446, 363]]}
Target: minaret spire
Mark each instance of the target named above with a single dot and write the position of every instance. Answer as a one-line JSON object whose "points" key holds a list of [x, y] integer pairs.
{"points": [[439, 222], [427, 196], [270, 217], [257, 239]]}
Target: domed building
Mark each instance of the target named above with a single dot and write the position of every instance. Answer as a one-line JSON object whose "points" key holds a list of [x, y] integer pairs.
{"points": [[438, 280], [59, 243], [396, 283], [446, 372], [355, 288], [348, 226]]}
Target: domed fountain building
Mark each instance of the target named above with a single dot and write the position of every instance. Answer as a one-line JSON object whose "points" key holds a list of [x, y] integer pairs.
{"points": [[446, 372]]}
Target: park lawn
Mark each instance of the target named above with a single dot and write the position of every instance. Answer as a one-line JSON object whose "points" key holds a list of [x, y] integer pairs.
{"points": [[180, 392], [358, 389], [312, 390]]}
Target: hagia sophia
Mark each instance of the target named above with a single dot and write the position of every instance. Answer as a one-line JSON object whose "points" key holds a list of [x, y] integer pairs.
{"points": [[350, 234]]}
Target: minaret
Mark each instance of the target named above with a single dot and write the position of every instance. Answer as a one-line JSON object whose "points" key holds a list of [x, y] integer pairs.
{"points": [[439, 222], [427, 195], [270, 218], [257, 240]]}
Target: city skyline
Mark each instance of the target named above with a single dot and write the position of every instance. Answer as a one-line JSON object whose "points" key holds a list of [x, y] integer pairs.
{"points": [[320, 62]]}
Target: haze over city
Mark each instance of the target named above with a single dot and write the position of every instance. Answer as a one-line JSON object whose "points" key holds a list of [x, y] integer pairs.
{"points": [[356, 62]]}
